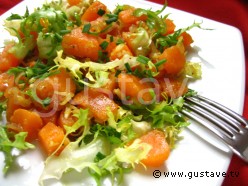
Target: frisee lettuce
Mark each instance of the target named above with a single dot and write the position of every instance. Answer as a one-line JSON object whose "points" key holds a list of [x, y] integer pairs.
{"points": [[7, 145], [47, 23], [167, 114], [140, 45], [79, 155], [193, 70], [97, 75]]}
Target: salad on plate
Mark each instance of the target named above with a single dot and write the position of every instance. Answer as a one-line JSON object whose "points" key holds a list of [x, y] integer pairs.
{"points": [[94, 89]]}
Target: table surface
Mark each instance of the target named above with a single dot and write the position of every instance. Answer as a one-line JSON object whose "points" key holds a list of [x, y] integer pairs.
{"points": [[232, 12]]}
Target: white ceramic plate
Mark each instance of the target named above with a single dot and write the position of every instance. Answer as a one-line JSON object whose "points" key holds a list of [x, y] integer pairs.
{"points": [[195, 161]]}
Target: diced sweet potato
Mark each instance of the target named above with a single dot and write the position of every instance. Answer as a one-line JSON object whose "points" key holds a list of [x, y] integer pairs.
{"points": [[127, 17], [27, 121], [92, 13], [175, 60], [7, 59], [58, 88], [160, 149], [97, 102], [119, 51], [50, 138], [187, 39], [80, 44], [135, 88]]}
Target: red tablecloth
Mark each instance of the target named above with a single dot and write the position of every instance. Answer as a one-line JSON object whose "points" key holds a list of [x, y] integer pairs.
{"points": [[232, 12]]}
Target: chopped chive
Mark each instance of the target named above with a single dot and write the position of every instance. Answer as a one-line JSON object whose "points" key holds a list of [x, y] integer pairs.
{"points": [[101, 12], [111, 38], [149, 73], [128, 67], [99, 156], [86, 28], [160, 63], [58, 37], [143, 59], [112, 15], [102, 57], [137, 73], [78, 21], [119, 41], [111, 20], [117, 73], [104, 45], [62, 32], [46, 101]]}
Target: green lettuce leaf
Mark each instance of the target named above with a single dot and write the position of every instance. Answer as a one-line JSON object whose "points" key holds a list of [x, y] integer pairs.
{"points": [[79, 156], [84, 154], [6, 146], [193, 70], [73, 157], [97, 73]]}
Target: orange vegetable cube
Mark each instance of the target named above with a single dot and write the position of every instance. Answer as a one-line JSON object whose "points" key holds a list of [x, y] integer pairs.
{"points": [[6, 81], [170, 26], [97, 102], [187, 39], [91, 13], [7, 59], [15, 100], [160, 150], [119, 51], [134, 87], [80, 44], [74, 2], [50, 138], [52, 87], [27, 121], [175, 60], [172, 87], [46, 118], [127, 17], [99, 106]]}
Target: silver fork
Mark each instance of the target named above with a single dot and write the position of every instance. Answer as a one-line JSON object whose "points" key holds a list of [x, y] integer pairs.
{"points": [[223, 122]]}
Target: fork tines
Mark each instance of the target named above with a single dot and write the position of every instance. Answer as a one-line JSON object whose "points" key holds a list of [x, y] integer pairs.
{"points": [[225, 123]]}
